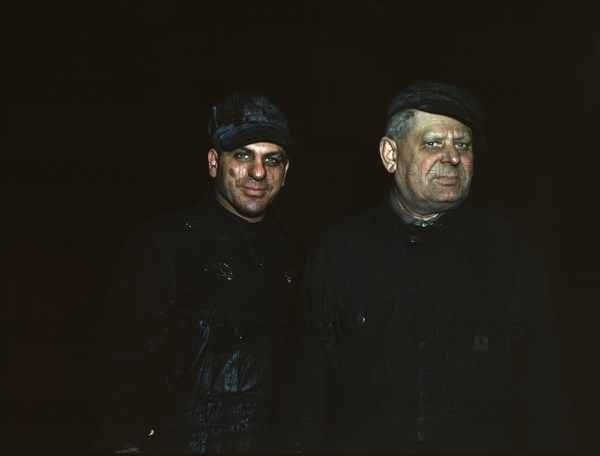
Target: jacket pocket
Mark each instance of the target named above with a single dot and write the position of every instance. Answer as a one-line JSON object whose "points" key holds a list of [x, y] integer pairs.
{"points": [[363, 325], [366, 313], [181, 344], [472, 360], [367, 345]]}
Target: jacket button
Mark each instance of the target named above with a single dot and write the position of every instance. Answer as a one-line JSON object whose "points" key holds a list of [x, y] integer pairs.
{"points": [[360, 319], [414, 239], [423, 436]]}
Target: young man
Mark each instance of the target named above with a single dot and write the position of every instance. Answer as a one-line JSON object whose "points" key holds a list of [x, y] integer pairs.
{"points": [[199, 302]]}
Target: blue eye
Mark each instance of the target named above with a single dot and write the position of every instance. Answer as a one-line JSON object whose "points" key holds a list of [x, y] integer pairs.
{"points": [[241, 156], [273, 161]]}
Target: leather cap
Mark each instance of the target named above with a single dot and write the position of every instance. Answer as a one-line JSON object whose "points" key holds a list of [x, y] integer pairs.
{"points": [[245, 118], [445, 99]]}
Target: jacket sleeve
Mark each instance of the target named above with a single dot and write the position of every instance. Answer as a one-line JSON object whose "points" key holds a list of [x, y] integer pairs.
{"points": [[543, 412], [309, 359], [127, 380]]}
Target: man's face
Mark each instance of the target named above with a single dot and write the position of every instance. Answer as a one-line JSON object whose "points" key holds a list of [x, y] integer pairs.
{"points": [[248, 178], [432, 164]]}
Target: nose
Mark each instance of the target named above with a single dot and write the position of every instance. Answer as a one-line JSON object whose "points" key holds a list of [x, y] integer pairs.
{"points": [[450, 155], [257, 170]]}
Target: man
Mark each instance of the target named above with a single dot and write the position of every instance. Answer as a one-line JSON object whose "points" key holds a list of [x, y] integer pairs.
{"points": [[424, 324], [199, 300]]}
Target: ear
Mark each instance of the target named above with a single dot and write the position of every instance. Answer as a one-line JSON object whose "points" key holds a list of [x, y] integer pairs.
{"points": [[213, 162], [388, 151], [285, 170]]}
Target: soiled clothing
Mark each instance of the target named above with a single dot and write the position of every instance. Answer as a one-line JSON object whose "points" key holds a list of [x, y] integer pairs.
{"points": [[197, 310], [424, 339]]}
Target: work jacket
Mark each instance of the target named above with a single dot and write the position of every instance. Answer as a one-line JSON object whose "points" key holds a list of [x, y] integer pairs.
{"points": [[423, 339], [196, 314]]}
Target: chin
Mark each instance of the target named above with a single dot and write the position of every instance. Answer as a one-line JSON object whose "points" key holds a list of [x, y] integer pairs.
{"points": [[452, 203], [252, 212], [453, 197]]}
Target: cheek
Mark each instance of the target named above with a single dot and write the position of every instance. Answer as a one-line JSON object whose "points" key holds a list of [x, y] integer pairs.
{"points": [[422, 170], [467, 167], [236, 172], [469, 171], [429, 165], [275, 174], [404, 178]]}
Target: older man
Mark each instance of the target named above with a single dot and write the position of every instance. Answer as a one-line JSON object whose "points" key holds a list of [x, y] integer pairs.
{"points": [[199, 302], [424, 324]]}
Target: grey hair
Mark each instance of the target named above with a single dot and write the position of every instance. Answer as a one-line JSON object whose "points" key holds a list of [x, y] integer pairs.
{"points": [[399, 124]]}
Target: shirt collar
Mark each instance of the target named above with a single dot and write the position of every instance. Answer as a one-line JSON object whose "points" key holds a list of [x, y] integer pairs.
{"points": [[390, 214], [233, 219], [405, 216]]}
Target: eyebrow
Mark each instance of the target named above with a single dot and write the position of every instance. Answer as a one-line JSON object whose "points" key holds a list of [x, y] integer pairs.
{"points": [[251, 152], [463, 136], [431, 136], [242, 149]]}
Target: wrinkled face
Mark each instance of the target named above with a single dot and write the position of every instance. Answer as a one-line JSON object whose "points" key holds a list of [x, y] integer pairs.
{"points": [[432, 164], [248, 178]]}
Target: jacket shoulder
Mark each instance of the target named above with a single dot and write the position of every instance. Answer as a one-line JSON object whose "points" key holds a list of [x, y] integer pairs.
{"points": [[194, 217], [347, 231], [489, 222]]}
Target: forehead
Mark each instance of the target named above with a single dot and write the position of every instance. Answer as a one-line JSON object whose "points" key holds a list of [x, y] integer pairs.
{"points": [[262, 148], [426, 122]]}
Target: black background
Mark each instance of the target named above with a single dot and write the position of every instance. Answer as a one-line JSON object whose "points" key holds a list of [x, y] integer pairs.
{"points": [[103, 125]]}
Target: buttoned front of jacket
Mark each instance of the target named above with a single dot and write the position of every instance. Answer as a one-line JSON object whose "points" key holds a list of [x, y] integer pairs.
{"points": [[205, 296], [434, 332]]}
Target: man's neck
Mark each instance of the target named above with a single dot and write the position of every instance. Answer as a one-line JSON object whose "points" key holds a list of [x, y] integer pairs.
{"points": [[229, 208], [407, 217]]}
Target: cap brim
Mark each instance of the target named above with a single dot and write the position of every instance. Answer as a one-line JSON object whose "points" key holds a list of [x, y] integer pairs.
{"points": [[443, 99], [450, 111], [250, 134]]}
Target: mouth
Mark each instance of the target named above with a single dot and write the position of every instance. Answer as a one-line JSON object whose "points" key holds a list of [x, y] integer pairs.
{"points": [[254, 191], [450, 179]]}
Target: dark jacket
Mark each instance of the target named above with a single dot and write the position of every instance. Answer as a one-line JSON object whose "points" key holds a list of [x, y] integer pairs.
{"points": [[415, 339], [197, 308]]}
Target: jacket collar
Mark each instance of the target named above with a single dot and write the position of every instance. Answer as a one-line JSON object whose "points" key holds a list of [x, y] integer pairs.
{"points": [[231, 218], [387, 217]]}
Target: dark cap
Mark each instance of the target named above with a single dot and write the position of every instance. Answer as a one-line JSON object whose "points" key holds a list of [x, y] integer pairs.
{"points": [[245, 118], [445, 99]]}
